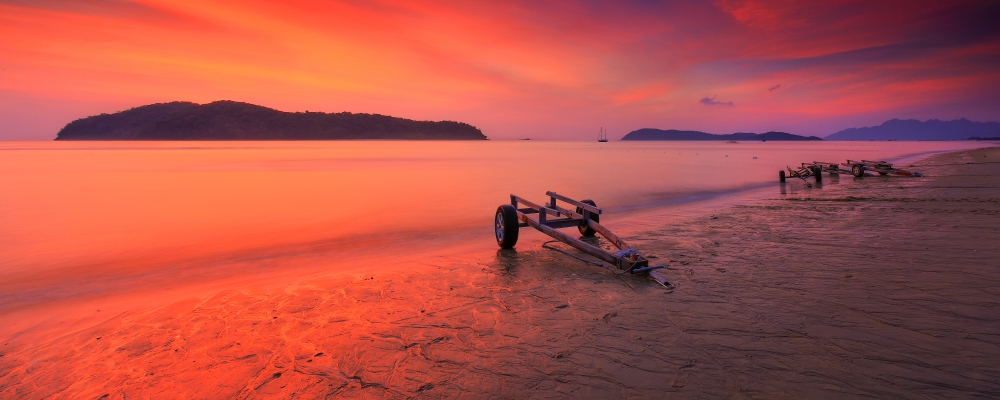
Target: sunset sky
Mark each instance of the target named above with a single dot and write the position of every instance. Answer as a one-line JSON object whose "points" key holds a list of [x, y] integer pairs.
{"points": [[545, 70]]}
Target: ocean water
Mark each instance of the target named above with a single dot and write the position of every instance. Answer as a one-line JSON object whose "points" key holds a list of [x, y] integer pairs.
{"points": [[86, 219]]}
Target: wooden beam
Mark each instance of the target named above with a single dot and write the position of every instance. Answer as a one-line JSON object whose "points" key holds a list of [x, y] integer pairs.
{"points": [[556, 211], [537, 207], [614, 239], [518, 199], [572, 241], [584, 206], [568, 213]]}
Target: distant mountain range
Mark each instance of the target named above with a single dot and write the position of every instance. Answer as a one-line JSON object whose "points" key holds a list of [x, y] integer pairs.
{"points": [[673, 134], [230, 120], [911, 129], [895, 129]]}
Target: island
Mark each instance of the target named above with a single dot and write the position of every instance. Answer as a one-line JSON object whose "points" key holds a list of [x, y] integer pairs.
{"points": [[231, 120], [673, 134]]}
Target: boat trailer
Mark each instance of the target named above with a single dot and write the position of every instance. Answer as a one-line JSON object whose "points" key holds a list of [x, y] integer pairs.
{"points": [[856, 168], [510, 218], [803, 172]]}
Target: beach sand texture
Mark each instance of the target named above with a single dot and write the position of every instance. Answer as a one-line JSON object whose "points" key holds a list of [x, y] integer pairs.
{"points": [[881, 287]]}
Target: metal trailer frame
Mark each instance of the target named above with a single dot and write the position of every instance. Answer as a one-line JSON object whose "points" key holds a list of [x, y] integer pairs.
{"points": [[509, 218], [858, 168], [803, 172]]}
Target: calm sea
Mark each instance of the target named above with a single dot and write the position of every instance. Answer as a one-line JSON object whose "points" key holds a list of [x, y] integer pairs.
{"points": [[92, 218]]}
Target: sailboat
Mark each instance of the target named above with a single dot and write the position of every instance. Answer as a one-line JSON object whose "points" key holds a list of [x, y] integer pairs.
{"points": [[603, 136]]}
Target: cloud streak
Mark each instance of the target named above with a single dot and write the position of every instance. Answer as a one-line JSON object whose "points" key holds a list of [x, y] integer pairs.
{"points": [[710, 101]]}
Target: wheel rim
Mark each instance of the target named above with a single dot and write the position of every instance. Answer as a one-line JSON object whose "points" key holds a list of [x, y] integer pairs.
{"points": [[499, 227]]}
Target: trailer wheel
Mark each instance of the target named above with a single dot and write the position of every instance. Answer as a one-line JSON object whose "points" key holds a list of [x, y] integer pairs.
{"points": [[858, 170], [585, 229], [818, 173], [781, 176], [506, 226]]}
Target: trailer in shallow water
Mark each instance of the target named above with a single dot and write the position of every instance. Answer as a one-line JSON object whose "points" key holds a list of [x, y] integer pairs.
{"points": [[858, 168], [510, 218]]}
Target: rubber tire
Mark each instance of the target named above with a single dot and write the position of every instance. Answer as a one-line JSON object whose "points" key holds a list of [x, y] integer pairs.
{"points": [[585, 229], [505, 226], [858, 170], [781, 176], [818, 173]]}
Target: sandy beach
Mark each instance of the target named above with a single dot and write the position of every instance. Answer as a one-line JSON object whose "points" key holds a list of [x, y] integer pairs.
{"points": [[882, 287]]}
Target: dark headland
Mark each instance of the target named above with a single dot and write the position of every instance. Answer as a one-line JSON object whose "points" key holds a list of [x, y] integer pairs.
{"points": [[230, 120], [673, 134]]}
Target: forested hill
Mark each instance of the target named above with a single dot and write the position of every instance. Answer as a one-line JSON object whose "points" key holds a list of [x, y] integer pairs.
{"points": [[230, 120], [673, 134]]}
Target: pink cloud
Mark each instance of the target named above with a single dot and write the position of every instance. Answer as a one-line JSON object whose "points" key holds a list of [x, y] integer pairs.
{"points": [[512, 68]]}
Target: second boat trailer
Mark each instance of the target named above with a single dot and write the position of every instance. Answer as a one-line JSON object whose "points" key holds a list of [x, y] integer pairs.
{"points": [[510, 218], [857, 168]]}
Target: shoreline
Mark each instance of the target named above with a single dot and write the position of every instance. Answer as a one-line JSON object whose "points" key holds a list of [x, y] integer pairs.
{"points": [[702, 204], [800, 296]]}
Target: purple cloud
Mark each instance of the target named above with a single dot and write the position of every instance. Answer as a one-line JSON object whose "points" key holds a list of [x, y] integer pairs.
{"points": [[711, 102]]}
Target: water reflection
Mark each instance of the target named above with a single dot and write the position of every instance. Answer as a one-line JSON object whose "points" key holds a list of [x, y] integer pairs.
{"points": [[592, 240], [797, 185], [508, 264], [79, 211]]}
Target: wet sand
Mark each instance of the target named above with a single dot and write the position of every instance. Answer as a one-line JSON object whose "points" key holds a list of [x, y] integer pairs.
{"points": [[881, 287]]}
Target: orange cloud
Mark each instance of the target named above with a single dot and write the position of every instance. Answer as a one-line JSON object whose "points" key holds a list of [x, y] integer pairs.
{"points": [[513, 68]]}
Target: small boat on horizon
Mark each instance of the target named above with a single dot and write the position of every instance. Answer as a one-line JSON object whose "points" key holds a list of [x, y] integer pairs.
{"points": [[602, 136]]}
